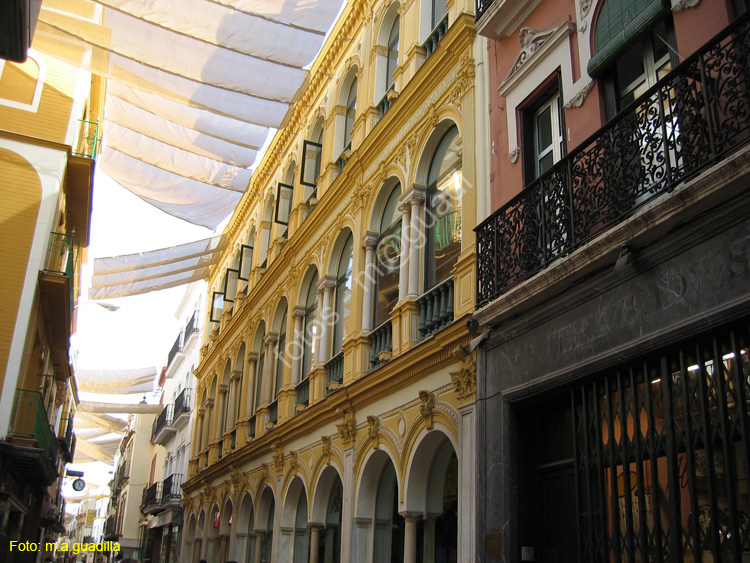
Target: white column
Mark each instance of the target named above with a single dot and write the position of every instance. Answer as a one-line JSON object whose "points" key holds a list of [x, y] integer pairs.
{"points": [[258, 544], [327, 286], [267, 378], [314, 542], [416, 237], [403, 274], [368, 241], [221, 413], [299, 345], [348, 547], [410, 537], [206, 427], [251, 366]]}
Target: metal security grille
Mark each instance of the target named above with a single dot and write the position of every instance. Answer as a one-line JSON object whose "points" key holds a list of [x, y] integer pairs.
{"points": [[662, 455]]}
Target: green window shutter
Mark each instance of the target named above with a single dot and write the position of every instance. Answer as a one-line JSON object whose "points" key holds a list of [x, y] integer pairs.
{"points": [[619, 24]]}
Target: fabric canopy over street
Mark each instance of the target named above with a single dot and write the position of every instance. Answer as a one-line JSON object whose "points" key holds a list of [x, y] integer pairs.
{"points": [[117, 381], [193, 87], [132, 274]]}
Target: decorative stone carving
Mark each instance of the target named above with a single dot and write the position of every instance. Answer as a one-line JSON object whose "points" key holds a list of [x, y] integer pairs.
{"points": [[531, 40], [513, 155], [348, 428], [679, 5], [326, 453], [373, 431], [577, 100], [278, 458], [427, 404], [294, 462], [465, 379]]}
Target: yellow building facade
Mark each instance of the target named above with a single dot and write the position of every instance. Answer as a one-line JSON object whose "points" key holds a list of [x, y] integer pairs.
{"points": [[335, 401], [47, 146]]}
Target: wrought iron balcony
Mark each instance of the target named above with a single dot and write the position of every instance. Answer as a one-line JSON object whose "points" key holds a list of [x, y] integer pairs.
{"points": [[692, 118], [176, 349], [35, 450], [151, 498], [57, 278], [162, 427], [122, 474], [171, 490], [191, 329], [182, 409], [434, 38], [68, 440], [436, 309], [111, 529], [381, 343], [335, 369], [88, 139], [303, 392]]}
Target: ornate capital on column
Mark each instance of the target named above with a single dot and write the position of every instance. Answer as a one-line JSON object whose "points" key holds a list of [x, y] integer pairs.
{"points": [[252, 357], [370, 239], [299, 312], [415, 194], [236, 374]]}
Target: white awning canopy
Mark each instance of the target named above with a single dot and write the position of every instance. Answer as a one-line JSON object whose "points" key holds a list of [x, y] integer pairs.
{"points": [[132, 274], [194, 88], [117, 382]]}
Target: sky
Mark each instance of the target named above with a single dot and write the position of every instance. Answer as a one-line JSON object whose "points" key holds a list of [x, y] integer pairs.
{"points": [[141, 332]]}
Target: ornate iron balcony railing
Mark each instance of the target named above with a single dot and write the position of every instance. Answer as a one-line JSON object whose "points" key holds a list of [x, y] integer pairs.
{"points": [[191, 327], [88, 139], [176, 349], [182, 402], [172, 487], [690, 119], [151, 495], [163, 420]]}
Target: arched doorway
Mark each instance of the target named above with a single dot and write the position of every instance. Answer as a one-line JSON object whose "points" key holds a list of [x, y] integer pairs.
{"points": [[432, 492]]}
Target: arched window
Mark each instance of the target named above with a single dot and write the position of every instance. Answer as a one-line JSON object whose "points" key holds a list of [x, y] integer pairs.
{"points": [[310, 328], [342, 299], [391, 63], [388, 256], [351, 114], [280, 356], [443, 221]]}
